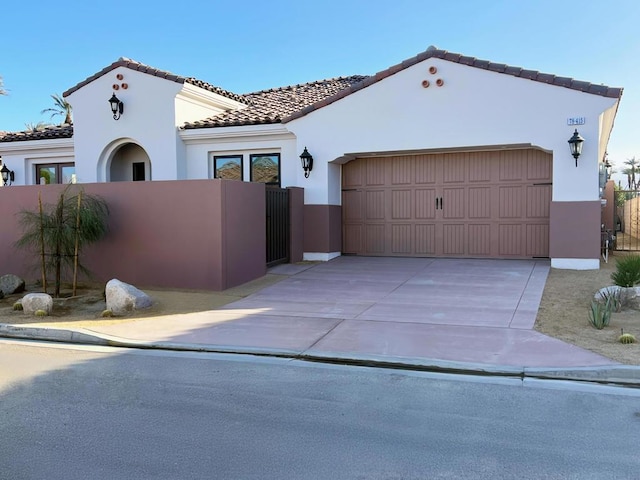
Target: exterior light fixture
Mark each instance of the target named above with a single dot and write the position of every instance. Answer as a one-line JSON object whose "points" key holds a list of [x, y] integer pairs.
{"points": [[607, 166], [8, 176], [117, 107], [307, 162], [575, 145]]}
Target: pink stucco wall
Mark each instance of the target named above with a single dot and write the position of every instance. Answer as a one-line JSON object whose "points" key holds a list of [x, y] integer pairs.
{"points": [[575, 229], [200, 234]]}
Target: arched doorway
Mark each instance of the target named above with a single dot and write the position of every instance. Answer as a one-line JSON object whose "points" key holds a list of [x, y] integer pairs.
{"points": [[129, 162]]}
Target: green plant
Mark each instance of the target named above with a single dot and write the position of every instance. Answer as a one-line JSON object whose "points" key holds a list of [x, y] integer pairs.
{"points": [[613, 297], [17, 306], [40, 313], [58, 232], [599, 314], [627, 272], [107, 313], [627, 338]]}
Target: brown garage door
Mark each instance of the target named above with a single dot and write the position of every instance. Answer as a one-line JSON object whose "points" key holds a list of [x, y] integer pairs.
{"points": [[467, 204]]}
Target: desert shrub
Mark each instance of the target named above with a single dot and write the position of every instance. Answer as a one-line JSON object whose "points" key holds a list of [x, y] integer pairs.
{"points": [[107, 313], [599, 314], [40, 313], [17, 306], [613, 297], [627, 272]]}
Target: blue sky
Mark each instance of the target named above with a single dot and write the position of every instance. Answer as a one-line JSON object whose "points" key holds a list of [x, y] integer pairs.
{"points": [[248, 45]]}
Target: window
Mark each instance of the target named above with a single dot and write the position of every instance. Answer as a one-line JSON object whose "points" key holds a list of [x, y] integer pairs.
{"points": [[265, 168], [228, 167], [55, 173]]}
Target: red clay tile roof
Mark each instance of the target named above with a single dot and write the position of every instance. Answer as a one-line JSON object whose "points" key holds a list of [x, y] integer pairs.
{"points": [[281, 105], [46, 133], [271, 106], [140, 67], [434, 52]]}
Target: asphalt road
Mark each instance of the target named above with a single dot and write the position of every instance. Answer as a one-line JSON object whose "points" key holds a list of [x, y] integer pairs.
{"points": [[116, 414]]}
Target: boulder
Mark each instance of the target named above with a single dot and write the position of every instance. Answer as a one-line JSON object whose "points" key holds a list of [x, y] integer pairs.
{"points": [[37, 301], [629, 297], [11, 284], [122, 297]]}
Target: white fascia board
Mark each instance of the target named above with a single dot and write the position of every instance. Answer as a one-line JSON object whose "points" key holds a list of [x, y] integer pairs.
{"points": [[221, 134], [206, 98], [29, 146]]}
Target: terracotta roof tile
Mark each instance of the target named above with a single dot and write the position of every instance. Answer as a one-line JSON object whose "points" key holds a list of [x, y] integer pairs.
{"points": [[141, 67], [47, 133], [271, 106]]}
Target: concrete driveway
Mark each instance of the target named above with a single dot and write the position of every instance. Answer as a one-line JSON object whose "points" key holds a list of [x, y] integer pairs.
{"points": [[465, 310]]}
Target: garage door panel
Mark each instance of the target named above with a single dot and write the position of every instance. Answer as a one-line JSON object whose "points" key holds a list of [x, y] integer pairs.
{"points": [[374, 238], [481, 167], [401, 203], [402, 170], [352, 238], [479, 239], [352, 205], [375, 172], [455, 168], [510, 240], [453, 239], [538, 166], [454, 203], [479, 202], [375, 205], [538, 201], [512, 167], [425, 203], [511, 202], [401, 241], [425, 239], [426, 169], [538, 240], [352, 175]]}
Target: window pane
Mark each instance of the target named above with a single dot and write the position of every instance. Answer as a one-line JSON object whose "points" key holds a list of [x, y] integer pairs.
{"points": [[228, 168], [265, 168], [69, 174], [47, 175]]}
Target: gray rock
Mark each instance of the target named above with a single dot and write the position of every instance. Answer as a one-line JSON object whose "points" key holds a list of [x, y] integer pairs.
{"points": [[122, 297], [629, 297], [37, 301], [11, 284]]}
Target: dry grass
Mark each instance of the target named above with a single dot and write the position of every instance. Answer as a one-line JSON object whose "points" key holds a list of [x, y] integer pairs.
{"points": [[563, 314]]}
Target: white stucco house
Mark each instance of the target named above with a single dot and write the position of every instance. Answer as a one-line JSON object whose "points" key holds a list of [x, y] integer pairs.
{"points": [[440, 155]]}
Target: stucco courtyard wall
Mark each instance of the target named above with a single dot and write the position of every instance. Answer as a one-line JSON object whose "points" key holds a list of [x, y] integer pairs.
{"points": [[199, 234]]}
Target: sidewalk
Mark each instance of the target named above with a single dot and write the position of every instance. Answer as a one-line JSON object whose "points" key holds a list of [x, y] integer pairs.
{"points": [[433, 314]]}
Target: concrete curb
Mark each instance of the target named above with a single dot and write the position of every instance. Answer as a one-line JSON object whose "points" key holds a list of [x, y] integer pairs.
{"points": [[622, 375]]}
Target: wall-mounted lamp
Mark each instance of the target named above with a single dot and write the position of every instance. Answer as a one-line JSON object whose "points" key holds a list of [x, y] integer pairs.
{"points": [[117, 107], [307, 162], [8, 176], [575, 145], [607, 166]]}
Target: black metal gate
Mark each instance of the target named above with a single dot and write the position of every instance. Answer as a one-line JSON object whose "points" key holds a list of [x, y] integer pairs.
{"points": [[627, 220], [277, 226]]}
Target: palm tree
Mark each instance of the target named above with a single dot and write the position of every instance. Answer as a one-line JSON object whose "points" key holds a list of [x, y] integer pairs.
{"points": [[631, 175], [36, 127], [61, 107]]}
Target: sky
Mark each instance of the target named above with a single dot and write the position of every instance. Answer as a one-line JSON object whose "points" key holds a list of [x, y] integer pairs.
{"points": [[249, 45]]}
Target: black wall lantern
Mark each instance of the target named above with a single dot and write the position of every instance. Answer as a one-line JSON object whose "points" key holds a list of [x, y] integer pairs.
{"points": [[307, 162], [7, 175], [575, 145], [117, 107]]}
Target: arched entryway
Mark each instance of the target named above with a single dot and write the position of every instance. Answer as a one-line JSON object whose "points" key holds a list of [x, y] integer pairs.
{"points": [[129, 162]]}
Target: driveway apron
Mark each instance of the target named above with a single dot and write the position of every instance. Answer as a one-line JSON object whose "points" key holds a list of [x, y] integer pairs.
{"points": [[467, 310]]}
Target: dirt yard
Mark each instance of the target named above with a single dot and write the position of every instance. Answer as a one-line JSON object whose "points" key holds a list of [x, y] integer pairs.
{"points": [[563, 311]]}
